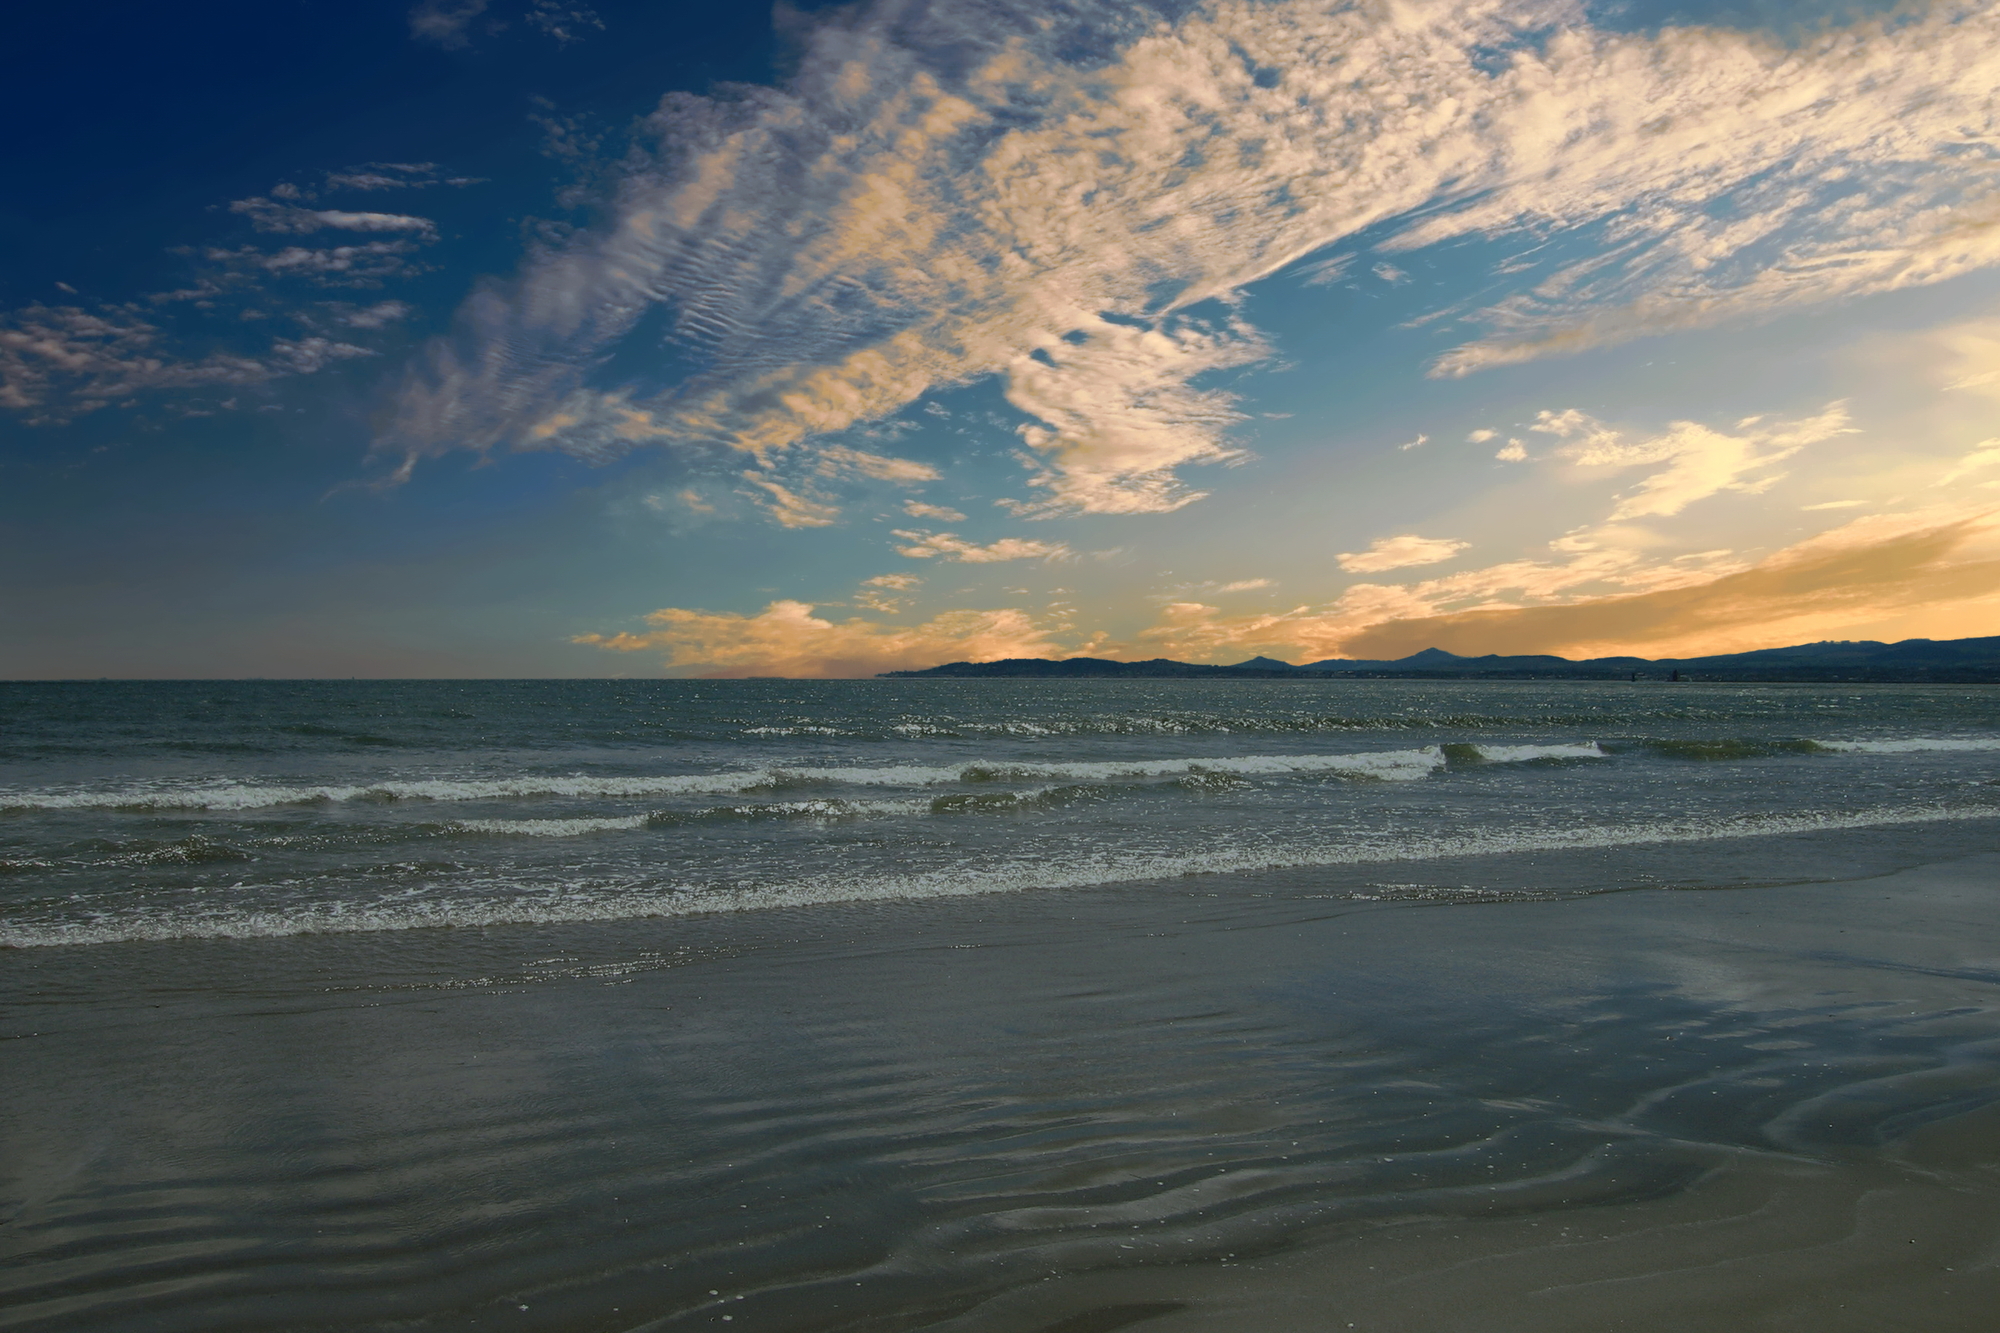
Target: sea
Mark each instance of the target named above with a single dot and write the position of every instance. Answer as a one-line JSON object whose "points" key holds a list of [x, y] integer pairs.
{"points": [[928, 1003]]}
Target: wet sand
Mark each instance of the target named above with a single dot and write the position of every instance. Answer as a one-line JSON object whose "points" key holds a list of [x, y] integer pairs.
{"points": [[1304, 1103], [1883, 1226]]}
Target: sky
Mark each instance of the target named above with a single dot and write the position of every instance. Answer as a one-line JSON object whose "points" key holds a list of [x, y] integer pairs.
{"points": [[527, 338]]}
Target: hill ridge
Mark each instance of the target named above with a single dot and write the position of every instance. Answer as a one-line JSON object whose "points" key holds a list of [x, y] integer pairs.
{"points": [[1942, 661]]}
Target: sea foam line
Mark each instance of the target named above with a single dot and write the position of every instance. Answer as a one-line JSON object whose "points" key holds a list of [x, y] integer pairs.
{"points": [[1390, 765], [1919, 745], [609, 903]]}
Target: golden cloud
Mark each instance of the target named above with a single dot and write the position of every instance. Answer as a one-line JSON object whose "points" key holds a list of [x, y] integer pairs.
{"points": [[786, 639], [1811, 591]]}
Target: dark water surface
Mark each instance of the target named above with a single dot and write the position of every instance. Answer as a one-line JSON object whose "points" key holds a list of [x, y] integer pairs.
{"points": [[822, 1010]]}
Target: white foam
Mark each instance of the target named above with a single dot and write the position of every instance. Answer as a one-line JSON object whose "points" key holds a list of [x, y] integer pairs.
{"points": [[547, 828], [1917, 745], [1391, 765], [613, 902], [1521, 754]]}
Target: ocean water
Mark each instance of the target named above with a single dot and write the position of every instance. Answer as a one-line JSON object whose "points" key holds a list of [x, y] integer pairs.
{"points": [[161, 811], [876, 1005]]}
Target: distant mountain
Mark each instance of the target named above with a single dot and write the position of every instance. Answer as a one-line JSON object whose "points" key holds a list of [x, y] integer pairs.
{"points": [[1941, 661]]}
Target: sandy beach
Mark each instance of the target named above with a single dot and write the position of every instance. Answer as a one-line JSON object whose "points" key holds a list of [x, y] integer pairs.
{"points": [[1282, 1104]]}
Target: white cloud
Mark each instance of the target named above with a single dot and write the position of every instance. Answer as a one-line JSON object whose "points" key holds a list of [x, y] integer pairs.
{"points": [[1702, 462], [938, 199], [270, 215], [898, 582], [1512, 452], [1400, 552], [379, 315], [1417, 443], [1481, 436], [929, 545], [1326, 272], [918, 509]]}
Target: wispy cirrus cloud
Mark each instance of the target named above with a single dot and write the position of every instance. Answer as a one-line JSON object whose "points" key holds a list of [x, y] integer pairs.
{"points": [[59, 362], [944, 194], [267, 214], [950, 546]]}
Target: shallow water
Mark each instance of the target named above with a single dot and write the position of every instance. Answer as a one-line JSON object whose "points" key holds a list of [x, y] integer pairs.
{"points": [[1128, 1102]]}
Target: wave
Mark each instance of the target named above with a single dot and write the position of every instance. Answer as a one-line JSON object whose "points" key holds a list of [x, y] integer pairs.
{"points": [[987, 802], [612, 902], [1384, 765], [547, 828], [1524, 754], [1918, 745], [1389, 765]]}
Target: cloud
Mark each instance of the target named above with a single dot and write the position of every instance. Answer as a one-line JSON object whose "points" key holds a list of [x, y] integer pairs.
{"points": [[303, 356], [1400, 552], [1702, 462], [564, 22], [1929, 573], [918, 509], [1512, 452], [841, 458], [942, 195], [1326, 272], [445, 21], [364, 264], [385, 176], [929, 545], [788, 508], [786, 639], [875, 592], [1980, 457], [1813, 590], [1417, 443], [57, 362], [270, 215], [380, 315], [1481, 436]]}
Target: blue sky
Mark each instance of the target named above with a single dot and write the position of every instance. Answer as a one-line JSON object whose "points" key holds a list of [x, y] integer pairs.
{"points": [[533, 338]]}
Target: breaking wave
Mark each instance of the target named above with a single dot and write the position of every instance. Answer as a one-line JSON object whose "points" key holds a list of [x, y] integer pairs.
{"points": [[615, 902], [1390, 765]]}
